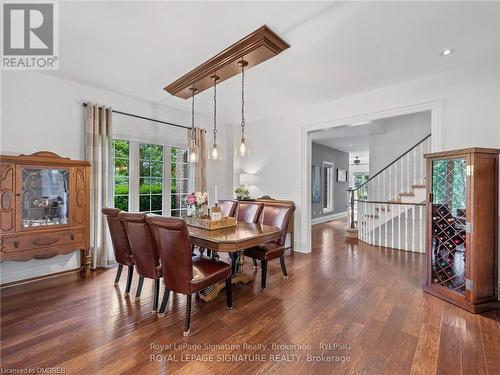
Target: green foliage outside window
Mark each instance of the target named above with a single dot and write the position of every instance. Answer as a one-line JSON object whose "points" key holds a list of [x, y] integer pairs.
{"points": [[121, 151]]}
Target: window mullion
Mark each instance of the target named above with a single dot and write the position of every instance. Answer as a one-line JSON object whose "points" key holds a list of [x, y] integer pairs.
{"points": [[134, 177], [167, 181]]}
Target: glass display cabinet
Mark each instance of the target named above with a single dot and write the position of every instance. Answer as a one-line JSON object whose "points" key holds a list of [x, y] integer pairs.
{"points": [[44, 197], [462, 211], [44, 207]]}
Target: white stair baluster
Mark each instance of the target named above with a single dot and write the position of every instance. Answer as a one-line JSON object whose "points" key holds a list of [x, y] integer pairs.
{"points": [[406, 227], [422, 230], [399, 226], [392, 225], [413, 237]]}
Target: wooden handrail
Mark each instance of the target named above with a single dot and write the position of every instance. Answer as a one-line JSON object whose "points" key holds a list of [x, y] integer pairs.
{"points": [[351, 190], [391, 163], [389, 202]]}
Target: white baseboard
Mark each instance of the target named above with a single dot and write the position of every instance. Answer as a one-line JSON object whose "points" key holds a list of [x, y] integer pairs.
{"points": [[323, 219]]}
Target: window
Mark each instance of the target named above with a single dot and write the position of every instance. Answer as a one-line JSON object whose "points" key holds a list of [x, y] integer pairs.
{"points": [[178, 181], [121, 154], [327, 187], [151, 178], [359, 179]]}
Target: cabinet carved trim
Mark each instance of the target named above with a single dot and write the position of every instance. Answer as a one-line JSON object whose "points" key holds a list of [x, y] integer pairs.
{"points": [[7, 198], [44, 207]]}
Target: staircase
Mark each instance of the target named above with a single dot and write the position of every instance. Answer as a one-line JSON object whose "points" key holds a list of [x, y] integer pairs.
{"points": [[389, 209]]}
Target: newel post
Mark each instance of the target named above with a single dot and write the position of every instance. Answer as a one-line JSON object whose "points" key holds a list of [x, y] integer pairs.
{"points": [[351, 231]]}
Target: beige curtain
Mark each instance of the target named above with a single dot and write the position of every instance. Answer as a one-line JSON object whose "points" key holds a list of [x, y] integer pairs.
{"points": [[199, 169], [98, 149]]}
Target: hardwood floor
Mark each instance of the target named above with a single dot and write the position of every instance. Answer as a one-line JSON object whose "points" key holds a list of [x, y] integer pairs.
{"points": [[365, 302]]}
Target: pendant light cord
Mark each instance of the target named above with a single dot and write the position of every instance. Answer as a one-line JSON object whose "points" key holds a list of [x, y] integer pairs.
{"points": [[192, 114], [215, 109], [242, 101]]}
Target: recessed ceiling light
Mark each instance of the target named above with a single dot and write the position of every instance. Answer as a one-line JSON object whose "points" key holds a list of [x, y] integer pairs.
{"points": [[350, 145], [447, 52]]}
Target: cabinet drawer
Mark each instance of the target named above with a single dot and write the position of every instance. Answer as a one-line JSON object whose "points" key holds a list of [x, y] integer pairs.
{"points": [[42, 240]]}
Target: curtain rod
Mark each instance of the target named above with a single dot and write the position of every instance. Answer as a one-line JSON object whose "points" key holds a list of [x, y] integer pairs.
{"points": [[147, 118]]}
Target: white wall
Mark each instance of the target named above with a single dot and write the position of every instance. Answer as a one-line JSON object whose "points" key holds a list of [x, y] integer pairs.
{"points": [[42, 112], [470, 117], [400, 134]]}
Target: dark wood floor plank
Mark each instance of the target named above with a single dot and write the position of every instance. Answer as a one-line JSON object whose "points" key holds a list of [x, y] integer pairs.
{"points": [[490, 335], [365, 296]]}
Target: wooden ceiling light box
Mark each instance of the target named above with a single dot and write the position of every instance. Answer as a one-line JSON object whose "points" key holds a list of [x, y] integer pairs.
{"points": [[255, 48]]}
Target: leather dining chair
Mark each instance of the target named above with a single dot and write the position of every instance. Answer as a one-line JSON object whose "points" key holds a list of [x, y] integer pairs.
{"points": [[277, 215], [147, 260], [228, 208], [121, 246], [248, 212], [181, 272]]}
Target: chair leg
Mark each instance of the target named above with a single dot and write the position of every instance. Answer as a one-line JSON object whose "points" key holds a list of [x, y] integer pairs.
{"points": [[229, 293], [263, 266], [156, 295], [166, 294], [129, 280], [139, 287], [188, 316], [254, 264], [283, 267], [118, 274]]}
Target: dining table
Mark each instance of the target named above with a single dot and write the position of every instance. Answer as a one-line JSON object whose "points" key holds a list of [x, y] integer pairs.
{"points": [[232, 240]]}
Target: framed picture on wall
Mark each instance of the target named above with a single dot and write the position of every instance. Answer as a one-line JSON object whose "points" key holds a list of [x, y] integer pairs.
{"points": [[341, 175], [316, 183]]}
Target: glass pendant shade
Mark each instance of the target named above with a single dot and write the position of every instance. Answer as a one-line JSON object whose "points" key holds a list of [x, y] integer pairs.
{"points": [[193, 153], [243, 148], [193, 150], [215, 152]]}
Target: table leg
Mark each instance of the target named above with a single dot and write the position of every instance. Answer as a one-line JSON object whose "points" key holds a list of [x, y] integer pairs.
{"points": [[237, 277]]}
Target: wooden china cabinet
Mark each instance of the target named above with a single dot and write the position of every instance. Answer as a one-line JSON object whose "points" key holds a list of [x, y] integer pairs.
{"points": [[462, 227], [44, 207]]}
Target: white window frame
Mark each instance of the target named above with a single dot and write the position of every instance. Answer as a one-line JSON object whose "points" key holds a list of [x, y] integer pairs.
{"points": [[134, 171], [330, 187]]}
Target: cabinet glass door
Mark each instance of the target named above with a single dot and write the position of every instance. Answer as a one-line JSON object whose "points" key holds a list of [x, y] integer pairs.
{"points": [[449, 202], [44, 197]]}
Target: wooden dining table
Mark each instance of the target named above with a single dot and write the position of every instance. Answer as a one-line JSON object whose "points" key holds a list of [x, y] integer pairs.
{"points": [[233, 240]]}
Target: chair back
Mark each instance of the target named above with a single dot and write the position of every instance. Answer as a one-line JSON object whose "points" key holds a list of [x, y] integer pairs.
{"points": [[142, 245], [119, 239], [228, 208], [249, 212], [277, 215], [174, 246]]}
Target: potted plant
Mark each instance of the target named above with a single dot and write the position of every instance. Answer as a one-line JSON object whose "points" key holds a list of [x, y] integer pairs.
{"points": [[242, 193]]}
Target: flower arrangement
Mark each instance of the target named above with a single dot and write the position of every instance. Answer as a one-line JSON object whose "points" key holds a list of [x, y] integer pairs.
{"points": [[197, 203]]}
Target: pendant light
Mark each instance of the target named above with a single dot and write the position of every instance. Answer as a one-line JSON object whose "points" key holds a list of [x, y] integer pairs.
{"points": [[215, 150], [243, 149], [193, 151]]}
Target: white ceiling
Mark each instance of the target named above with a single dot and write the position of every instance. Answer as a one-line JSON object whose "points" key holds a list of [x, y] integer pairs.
{"points": [[355, 138], [337, 48]]}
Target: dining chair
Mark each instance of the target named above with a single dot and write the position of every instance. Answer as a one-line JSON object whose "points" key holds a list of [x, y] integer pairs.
{"points": [[248, 212], [228, 207], [121, 246], [146, 257], [181, 272], [277, 215]]}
